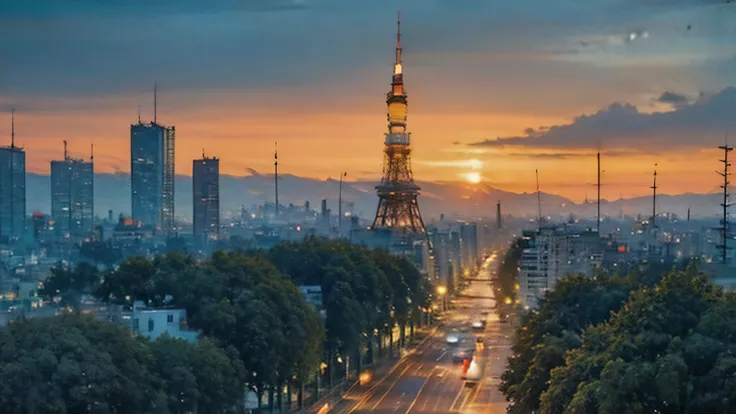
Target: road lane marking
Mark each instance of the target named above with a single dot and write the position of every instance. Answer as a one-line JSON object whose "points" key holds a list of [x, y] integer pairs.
{"points": [[443, 354], [371, 391], [416, 372], [462, 388], [392, 386], [420, 391]]}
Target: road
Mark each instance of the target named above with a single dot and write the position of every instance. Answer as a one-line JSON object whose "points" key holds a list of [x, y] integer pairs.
{"points": [[427, 380]]}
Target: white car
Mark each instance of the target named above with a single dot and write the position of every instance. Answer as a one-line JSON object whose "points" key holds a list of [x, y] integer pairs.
{"points": [[452, 339]]}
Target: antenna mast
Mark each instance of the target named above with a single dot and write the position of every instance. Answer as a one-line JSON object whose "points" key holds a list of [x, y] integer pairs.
{"points": [[155, 101], [92, 152], [276, 174], [66, 154], [654, 197], [539, 201], [12, 128], [598, 216], [726, 203]]}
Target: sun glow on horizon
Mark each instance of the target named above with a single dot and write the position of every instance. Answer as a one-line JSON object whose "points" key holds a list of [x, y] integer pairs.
{"points": [[472, 177]]}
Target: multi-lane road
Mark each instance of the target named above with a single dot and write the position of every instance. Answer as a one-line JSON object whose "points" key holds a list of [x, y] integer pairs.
{"points": [[427, 380]]}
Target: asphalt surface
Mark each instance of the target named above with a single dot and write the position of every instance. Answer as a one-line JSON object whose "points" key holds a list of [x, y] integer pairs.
{"points": [[427, 380]]}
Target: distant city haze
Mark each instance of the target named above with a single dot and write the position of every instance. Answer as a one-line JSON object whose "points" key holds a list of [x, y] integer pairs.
{"points": [[236, 76]]}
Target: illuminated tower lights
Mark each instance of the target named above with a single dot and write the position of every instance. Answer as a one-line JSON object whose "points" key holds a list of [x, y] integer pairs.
{"points": [[397, 193]]}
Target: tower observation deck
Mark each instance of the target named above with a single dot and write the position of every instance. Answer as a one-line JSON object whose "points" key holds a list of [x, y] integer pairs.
{"points": [[397, 193]]}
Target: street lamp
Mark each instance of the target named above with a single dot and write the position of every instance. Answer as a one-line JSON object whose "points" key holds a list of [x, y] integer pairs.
{"points": [[442, 290], [339, 206]]}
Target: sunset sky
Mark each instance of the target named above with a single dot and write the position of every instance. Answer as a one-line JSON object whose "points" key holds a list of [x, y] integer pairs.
{"points": [[496, 89]]}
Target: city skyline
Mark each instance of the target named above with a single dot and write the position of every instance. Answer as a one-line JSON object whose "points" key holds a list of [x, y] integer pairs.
{"points": [[480, 72]]}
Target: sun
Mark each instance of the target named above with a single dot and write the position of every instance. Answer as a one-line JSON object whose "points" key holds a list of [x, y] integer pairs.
{"points": [[473, 177]]}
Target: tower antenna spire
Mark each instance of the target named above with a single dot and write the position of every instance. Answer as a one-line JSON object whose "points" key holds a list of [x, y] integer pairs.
{"points": [[276, 174], [12, 128], [398, 38], [66, 154], [92, 152], [155, 101]]}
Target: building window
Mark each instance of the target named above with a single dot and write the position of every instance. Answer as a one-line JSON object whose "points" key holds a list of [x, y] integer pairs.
{"points": [[169, 318], [150, 325]]}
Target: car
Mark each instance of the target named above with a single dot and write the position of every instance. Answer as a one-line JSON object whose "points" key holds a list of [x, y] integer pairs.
{"points": [[459, 356], [479, 339], [452, 339]]}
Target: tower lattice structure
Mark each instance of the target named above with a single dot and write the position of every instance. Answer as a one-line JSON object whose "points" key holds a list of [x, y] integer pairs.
{"points": [[398, 208]]}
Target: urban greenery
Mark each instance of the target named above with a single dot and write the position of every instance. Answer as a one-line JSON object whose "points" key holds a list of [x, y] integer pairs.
{"points": [[505, 284], [74, 364], [248, 304], [647, 341]]}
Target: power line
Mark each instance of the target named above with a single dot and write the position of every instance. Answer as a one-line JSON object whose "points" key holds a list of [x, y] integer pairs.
{"points": [[726, 203]]}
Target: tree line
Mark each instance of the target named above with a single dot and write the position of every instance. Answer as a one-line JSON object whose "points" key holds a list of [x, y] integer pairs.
{"points": [[644, 341], [248, 307]]}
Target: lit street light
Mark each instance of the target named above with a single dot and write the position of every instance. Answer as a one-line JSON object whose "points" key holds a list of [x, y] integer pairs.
{"points": [[442, 291]]}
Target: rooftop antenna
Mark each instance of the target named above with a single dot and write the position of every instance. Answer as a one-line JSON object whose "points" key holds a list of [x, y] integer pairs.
{"points": [[66, 154], [726, 202], [203, 156], [155, 101], [92, 152], [12, 128], [276, 174], [539, 201], [139, 114], [654, 197]]}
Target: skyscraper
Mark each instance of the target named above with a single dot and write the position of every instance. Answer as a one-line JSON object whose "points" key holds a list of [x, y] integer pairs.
{"points": [[152, 174], [206, 191], [12, 189], [72, 196]]}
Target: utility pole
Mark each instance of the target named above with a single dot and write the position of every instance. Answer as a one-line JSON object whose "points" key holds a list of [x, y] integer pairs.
{"points": [[598, 215], [725, 204], [654, 197], [339, 206], [155, 101], [276, 174]]}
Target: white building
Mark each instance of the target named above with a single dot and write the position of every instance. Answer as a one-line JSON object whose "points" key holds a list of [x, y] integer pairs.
{"points": [[152, 323], [553, 253]]}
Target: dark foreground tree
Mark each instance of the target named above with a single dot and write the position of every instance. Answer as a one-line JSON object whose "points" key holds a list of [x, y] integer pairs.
{"points": [[75, 364]]}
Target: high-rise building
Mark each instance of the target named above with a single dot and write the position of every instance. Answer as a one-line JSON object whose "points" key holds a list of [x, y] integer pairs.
{"points": [[72, 196], [152, 175], [206, 190], [12, 189]]}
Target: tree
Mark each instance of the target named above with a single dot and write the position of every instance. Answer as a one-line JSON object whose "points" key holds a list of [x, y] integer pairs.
{"points": [[657, 354], [74, 364], [198, 377], [69, 284]]}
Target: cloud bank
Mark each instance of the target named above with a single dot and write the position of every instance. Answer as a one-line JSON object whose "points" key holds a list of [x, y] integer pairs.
{"points": [[702, 123]]}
